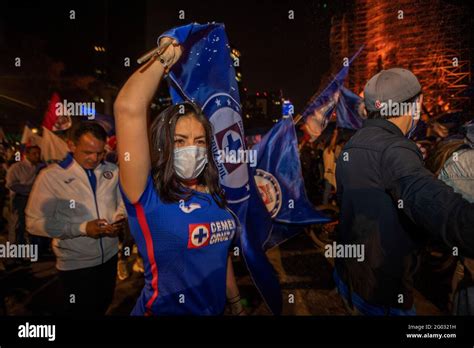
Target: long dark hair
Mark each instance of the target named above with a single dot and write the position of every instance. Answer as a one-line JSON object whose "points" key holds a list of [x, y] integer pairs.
{"points": [[170, 186]]}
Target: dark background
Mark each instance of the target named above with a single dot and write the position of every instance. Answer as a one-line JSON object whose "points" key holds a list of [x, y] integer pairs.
{"points": [[277, 53]]}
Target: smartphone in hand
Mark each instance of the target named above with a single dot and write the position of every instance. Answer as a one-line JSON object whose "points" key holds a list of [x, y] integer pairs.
{"points": [[118, 222]]}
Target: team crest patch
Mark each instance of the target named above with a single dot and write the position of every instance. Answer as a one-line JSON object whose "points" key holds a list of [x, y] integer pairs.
{"points": [[108, 175], [270, 191], [214, 232], [230, 138], [199, 235]]}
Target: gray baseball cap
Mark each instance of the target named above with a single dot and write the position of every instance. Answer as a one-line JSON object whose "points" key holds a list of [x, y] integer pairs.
{"points": [[397, 85]]}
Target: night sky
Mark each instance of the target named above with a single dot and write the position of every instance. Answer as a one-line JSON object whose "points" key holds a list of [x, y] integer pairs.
{"points": [[277, 53]]}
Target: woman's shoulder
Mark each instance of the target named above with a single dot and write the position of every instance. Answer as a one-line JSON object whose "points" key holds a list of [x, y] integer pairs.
{"points": [[148, 196]]}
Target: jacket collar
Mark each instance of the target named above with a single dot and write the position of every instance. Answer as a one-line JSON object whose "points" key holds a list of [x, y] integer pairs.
{"points": [[67, 161], [74, 169], [381, 123]]}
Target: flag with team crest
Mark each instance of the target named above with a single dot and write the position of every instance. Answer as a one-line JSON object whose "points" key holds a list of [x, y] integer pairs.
{"points": [[205, 75], [280, 182]]}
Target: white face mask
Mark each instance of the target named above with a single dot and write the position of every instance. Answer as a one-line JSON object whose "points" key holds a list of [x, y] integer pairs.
{"points": [[189, 161]]}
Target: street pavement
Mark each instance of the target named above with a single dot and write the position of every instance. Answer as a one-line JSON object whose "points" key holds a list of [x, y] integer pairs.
{"points": [[304, 272]]}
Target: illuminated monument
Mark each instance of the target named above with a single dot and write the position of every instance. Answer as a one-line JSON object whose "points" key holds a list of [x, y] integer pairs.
{"points": [[431, 38]]}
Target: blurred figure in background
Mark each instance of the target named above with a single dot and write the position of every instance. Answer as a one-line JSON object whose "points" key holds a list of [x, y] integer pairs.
{"points": [[19, 181], [425, 147], [311, 157], [330, 154], [3, 190]]}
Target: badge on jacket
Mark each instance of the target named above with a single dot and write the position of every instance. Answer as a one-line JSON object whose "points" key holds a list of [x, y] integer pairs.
{"points": [[108, 175]]}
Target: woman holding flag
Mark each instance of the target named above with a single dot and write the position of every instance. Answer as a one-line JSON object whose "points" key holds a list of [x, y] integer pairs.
{"points": [[177, 210]]}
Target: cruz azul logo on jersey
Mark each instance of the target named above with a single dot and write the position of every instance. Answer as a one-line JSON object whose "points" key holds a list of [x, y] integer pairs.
{"points": [[199, 235], [204, 234], [224, 114]]}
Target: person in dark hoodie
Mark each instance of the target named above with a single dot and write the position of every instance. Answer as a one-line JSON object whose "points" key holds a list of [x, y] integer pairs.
{"points": [[390, 204]]}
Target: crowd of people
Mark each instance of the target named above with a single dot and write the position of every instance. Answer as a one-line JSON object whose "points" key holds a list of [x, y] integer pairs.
{"points": [[397, 204]]}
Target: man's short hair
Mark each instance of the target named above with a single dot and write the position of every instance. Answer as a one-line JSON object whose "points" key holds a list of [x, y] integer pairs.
{"points": [[88, 127], [31, 147]]}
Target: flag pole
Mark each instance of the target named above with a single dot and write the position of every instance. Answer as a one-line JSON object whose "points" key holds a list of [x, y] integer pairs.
{"points": [[18, 101], [297, 119], [315, 95]]}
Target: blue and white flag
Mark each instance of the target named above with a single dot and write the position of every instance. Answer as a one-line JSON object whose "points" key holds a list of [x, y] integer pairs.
{"points": [[280, 181], [205, 75], [318, 111], [347, 110]]}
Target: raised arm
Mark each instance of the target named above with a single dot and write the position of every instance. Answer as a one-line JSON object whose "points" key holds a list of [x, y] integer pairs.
{"points": [[130, 110]]}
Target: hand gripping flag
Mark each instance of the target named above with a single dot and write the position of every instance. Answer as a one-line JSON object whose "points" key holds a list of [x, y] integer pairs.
{"points": [[205, 75]]}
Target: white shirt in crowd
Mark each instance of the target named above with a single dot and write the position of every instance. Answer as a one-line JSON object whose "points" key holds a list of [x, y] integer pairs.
{"points": [[62, 202], [20, 177]]}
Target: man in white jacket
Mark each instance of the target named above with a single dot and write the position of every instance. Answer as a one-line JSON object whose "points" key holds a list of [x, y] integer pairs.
{"points": [[76, 202]]}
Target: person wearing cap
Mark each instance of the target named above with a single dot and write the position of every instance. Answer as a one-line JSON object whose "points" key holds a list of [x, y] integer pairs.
{"points": [[390, 203]]}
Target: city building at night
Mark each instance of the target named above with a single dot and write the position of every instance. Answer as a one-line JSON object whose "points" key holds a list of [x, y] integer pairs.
{"points": [[261, 109], [430, 38]]}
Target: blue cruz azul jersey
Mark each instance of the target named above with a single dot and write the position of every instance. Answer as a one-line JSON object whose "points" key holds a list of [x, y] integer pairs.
{"points": [[184, 248]]}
